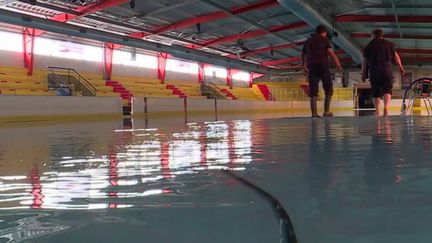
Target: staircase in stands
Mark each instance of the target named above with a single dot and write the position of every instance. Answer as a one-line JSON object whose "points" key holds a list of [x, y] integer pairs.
{"points": [[176, 91], [229, 94], [117, 87]]}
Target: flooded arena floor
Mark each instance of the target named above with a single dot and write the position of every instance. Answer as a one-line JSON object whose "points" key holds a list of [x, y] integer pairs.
{"points": [[350, 179]]}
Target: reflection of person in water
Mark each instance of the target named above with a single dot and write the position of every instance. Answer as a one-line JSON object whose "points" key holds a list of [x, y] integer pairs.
{"points": [[380, 162], [320, 160]]}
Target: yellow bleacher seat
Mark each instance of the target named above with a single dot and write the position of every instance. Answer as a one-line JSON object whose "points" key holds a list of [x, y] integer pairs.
{"points": [[23, 85], [15, 81], [134, 79], [13, 70], [27, 92], [107, 93], [22, 78], [155, 95], [190, 89]]}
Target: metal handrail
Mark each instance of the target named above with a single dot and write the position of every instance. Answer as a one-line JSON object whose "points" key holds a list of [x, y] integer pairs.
{"points": [[298, 94], [81, 79], [215, 88]]}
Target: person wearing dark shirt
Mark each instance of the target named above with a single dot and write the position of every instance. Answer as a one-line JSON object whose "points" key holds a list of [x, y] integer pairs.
{"points": [[378, 56], [316, 66]]}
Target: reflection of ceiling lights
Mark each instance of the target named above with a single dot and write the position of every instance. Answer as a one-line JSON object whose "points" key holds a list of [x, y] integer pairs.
{"points": [[83, 2]]}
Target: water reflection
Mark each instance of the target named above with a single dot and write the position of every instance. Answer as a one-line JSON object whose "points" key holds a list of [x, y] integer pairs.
{"points": [[24, 227], [382, 159], [340, 179], [322, 149], [139, 163]]}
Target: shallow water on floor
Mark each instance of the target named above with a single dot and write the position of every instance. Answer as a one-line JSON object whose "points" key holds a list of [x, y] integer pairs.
{"points": [[340, 179]]}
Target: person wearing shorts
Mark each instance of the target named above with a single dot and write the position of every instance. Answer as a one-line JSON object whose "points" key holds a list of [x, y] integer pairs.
{"points": [[316, 66], [378, 56]]}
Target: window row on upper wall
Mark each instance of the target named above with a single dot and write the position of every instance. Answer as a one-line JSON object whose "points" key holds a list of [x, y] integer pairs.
{"points": [[76, 51]]}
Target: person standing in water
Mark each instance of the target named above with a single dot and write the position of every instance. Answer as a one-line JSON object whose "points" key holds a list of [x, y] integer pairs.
{"points": [[378, 56], [315, 63]]}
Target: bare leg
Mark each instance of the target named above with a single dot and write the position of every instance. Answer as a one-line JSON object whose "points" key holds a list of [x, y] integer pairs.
{"points": [[376, 102], [327, 101], [313, 106], [386, 98]]}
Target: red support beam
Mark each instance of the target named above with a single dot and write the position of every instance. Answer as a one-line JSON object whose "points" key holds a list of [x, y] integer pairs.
{"points": [[162, 60], [291, 60], [213, 16], [229, 80], [30, 34], [230, 74], [201, 72], [108, 58], [383, 18], [64, 17], [254, 76], [290, 66], [416, 51], [394, 36], [256, 33], [269, 49], [281, 61], [416, 58], [83, 11], [28, 43]]}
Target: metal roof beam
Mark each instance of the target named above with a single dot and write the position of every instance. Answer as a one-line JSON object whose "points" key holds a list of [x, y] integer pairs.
{"points": [[82, 11], [294, 59], [215, 16], [383, 18], [167, 8], [281, 61], [256, 25], [416, 51], [92, 8], [417, 58], [175, 50], [394, 36], [270, 48], [315, 16], [396, 18], [256, 33], [141, 32], [139, 29]]}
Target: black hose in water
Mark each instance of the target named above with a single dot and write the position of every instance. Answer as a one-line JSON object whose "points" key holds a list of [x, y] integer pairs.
{"points": [[277, 207]]}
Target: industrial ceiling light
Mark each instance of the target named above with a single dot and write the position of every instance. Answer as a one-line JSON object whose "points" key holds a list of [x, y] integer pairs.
{"points": [[132, 3]]}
